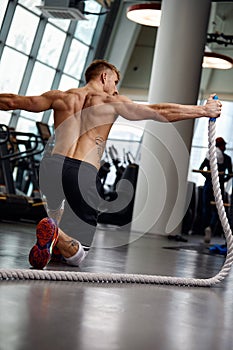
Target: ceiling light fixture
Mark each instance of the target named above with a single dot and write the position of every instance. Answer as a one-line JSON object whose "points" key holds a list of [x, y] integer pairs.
{"points": [[217, 61], [146, 14]]}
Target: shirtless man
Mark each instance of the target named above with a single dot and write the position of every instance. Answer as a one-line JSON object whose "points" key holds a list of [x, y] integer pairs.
{"points": [[83, 118]]}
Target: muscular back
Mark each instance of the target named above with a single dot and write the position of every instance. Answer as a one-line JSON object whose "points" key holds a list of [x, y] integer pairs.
{"points": [[82, 121]]}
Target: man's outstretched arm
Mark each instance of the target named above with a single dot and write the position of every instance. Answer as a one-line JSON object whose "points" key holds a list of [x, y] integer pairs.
{"points": [[28, 103], [167, 112]]}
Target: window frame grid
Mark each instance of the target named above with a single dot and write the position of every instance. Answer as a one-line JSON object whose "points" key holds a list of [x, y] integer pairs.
{"points": [[32, 56]]}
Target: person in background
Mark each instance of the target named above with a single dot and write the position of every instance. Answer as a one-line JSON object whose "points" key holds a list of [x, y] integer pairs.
{"points": [[209, 212]]}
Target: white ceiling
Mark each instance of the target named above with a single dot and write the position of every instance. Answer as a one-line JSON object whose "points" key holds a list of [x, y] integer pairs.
{"points": [[138, 70]]}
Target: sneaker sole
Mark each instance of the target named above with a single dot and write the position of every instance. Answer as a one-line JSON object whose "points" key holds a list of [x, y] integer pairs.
{"points": [[56, 255], [47, 236]]}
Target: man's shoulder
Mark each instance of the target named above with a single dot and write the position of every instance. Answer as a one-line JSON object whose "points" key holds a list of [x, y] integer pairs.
{"points": [[76, 91], [83, 91], [116, 98]]}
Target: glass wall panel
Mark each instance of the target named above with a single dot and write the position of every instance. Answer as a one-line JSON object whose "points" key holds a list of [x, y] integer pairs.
{"points": [[41, 79], [51, 120], [67, 83], [5, 117], [31, 5], [11, 70], [85, 29], [51, 45], [22, 34], [3, 5], [60, 23], [22, 30], [36, 117], [26, 125], [76, 59]]}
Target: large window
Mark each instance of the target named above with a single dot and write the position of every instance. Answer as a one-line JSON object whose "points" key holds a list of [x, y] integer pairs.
{"points": [[22, 32], [12, 68], [85, 29], [3, 5], [5, 117], [41, 79], [76, 59], [38, 54], [51, 45], [67, 83], [60, 23]]}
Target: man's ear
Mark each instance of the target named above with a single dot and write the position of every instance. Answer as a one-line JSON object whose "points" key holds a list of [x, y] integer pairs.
{"points": [[103, 77]]}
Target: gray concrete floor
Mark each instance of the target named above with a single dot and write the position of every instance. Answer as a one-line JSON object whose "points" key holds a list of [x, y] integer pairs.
{"points": [[42, 315]]}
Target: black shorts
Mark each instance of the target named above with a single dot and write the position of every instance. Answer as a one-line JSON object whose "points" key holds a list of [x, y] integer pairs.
{"points": [[79, 184]]}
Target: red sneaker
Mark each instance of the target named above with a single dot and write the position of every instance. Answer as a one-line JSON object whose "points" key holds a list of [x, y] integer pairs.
{"points": [[56, 255], [47, 236]]}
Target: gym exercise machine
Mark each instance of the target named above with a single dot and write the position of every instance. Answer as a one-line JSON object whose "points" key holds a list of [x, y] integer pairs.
{"points": [[19, 174], [126, 170]]}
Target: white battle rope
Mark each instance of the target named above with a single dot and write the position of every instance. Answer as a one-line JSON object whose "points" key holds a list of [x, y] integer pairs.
{"points": [[31, 274]]}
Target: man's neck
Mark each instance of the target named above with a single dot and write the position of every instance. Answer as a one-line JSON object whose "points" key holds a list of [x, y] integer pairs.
{"points": [[94, 85]]}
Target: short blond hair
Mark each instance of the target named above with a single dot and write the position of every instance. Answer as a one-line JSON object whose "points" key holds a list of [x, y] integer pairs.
{"points": [[97, 67]]}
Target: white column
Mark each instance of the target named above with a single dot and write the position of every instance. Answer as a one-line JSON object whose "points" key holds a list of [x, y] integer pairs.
{"points": [[161, 191]]}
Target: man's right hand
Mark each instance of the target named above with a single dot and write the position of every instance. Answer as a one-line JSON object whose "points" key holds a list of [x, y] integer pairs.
{"points": [[213, 107]]}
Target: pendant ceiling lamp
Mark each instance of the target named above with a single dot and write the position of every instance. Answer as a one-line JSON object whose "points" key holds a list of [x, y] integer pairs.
{"points": [[217, 60], [147, 14]]}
